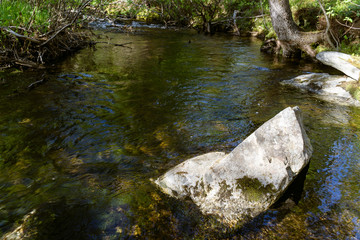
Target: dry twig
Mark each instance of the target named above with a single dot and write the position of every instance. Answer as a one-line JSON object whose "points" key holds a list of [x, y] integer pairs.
{"points": [[328, 28]]}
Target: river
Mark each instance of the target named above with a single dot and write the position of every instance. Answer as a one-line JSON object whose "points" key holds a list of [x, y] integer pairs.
{"points": [[77, 151]]}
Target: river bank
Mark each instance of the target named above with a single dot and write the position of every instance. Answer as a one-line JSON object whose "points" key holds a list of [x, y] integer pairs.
{"points": [[43, 32]]}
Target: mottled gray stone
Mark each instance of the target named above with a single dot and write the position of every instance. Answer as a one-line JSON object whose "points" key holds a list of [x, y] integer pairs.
{"points": [[341, 62], [325, 86], [249, 179]]}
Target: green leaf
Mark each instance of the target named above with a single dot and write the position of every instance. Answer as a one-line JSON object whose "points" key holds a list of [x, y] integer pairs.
{"points": [[348, 19]]}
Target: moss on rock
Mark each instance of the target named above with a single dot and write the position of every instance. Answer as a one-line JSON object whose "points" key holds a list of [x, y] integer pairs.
{"points": [[353, 89], [253, 189]]}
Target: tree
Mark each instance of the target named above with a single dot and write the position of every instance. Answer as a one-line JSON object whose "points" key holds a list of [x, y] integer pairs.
{"points": [[291, 38]]}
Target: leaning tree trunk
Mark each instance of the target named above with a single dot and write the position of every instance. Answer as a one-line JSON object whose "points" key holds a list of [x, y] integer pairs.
{"points": [[290, 37]]}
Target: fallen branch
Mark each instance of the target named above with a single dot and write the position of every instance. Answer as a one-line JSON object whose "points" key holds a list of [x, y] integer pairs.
{"points": [[20, 36], [27, 63], [5, 67], [56, 33], [350, 27]]}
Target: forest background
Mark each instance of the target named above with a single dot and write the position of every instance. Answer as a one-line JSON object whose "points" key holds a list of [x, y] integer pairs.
{"points": [[34, 32]]}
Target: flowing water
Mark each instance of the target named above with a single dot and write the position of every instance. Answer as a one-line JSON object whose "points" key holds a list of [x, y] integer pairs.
{"points": [[78, 150]]}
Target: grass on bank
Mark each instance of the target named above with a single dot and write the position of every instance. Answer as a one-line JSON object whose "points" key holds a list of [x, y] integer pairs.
{"points": [[21, 13], [35, 32]]}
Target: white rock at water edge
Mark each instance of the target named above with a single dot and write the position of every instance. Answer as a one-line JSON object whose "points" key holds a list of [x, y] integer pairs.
{"points": [[325, 86], [248, 180], [341, 62]]}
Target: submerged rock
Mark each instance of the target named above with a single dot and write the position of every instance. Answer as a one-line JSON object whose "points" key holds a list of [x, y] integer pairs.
{"points": [[20, 232], [248, 180], [328, 87], [340, 61]]}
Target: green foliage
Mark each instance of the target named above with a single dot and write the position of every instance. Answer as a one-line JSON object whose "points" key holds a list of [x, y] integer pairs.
{"points": [[271, 34], [343, 14], [351, 47], [36, 14], [201, 14], [298, 4], [194, 13], [345, 9], [21, 12]]}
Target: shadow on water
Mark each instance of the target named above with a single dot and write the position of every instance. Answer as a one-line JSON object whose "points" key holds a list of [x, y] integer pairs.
{"points": [[77, 152]]}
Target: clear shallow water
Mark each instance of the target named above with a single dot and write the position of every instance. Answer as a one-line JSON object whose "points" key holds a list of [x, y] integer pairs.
{"points": [[81, 147]]}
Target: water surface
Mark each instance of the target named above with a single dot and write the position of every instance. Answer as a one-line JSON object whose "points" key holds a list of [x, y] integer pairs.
{"points": [[78, 151]]}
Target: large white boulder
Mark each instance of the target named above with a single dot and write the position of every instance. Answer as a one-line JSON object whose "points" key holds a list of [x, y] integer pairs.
{"points": [[340, 61], [249, 179]]}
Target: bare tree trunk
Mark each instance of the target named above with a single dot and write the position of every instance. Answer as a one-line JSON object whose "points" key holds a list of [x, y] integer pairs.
{"points": [[290, 37]]}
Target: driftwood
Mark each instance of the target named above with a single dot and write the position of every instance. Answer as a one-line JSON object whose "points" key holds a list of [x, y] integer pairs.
{"points": [[37, 83]]}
